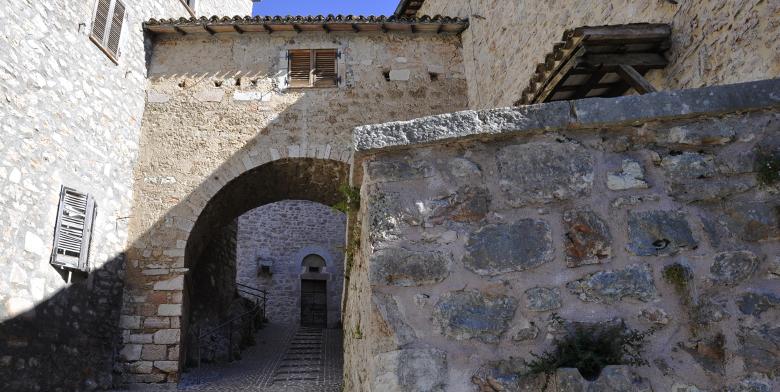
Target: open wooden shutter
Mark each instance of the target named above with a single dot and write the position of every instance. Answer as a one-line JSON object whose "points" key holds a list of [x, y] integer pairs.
{"points": [[101, 20], [107, 26], [300, 69], [116, 28], [73, 232], [325, 74]]}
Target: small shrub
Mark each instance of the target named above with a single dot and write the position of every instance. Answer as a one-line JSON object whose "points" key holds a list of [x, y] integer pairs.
{"points": [[768, 168], [590, 348], [678, 276], [350, 201], [357, 333]]}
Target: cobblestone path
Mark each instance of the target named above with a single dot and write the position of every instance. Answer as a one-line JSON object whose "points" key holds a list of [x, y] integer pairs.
{"points": [[285, 359]]}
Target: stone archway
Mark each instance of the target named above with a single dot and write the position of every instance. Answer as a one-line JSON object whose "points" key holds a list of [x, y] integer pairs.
{"points": [[308, 179]]}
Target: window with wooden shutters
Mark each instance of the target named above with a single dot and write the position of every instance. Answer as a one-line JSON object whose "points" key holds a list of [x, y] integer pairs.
{"points": [[107, 27], [73, 232], [313, 68]]}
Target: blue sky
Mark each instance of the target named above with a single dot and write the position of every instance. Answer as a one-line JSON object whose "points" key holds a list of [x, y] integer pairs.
{"points": [[324, 7]]}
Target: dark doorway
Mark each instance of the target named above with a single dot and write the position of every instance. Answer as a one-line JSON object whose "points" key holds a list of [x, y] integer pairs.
{"points": [[314, 303]]}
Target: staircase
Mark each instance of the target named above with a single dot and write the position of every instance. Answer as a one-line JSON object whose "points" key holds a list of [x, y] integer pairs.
{"points": [[303, 359]]}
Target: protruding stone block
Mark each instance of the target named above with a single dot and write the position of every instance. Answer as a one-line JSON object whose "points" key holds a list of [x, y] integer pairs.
{"points": [[630, 177], [658, 233], [169, 310], [498, 249], [464, 315], [635, 281], [543, 172], [167, 336], [401, 267], [587, 239], [411, 370]]}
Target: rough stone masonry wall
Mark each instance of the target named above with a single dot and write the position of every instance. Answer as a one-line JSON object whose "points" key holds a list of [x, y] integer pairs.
{"points": [[69, 116], [714, 41], [487, 234], [280, 235], [215, 111]]}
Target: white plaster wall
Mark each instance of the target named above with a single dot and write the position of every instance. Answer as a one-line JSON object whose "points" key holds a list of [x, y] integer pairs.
{"points": [[210, 8]]}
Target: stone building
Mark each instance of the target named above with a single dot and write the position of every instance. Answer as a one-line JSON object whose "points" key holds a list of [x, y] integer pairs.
{"points": [[173, 126]]}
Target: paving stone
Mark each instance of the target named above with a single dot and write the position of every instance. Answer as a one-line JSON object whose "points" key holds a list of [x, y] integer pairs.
{"points": [[498, 249], [464, 315]]}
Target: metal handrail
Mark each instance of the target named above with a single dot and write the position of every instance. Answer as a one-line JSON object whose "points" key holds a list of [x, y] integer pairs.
{"points": [[258, 308]]}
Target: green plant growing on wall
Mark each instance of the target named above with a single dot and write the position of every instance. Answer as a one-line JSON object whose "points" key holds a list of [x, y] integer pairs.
{"points": [[350, 205], [357, 333], [768, 168], [590, 348], [679, 277]]}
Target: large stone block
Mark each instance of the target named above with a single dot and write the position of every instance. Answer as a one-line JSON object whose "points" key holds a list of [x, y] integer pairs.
{"points": [[411, 370], [401, 267], [732, 268], [498, 249], [752, 221], [468, 204], [658, 233], [587, 239], [388, 308], [630, 177], [398, 170], [543, 172], [541, 299], [756, 303], [634, 281], [760, 348], [464, 315]]}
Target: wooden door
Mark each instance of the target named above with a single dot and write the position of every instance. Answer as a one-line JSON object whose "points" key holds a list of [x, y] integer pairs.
{"points": [[314, 303]]}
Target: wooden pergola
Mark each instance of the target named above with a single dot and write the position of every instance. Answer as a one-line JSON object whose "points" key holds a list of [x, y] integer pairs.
{"points": [[605, 61]]}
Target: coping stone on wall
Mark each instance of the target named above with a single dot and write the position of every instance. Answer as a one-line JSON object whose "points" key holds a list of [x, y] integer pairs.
{"points": [[585, 113]]}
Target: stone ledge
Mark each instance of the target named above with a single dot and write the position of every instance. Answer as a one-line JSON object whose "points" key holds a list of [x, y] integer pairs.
{"points": [[585, 113]]}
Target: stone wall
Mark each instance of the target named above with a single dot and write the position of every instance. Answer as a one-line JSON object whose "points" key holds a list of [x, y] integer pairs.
{"points": [[209, 8], [714, 41], [486, 235], [216, 111], [70, 116], [280, 235]]}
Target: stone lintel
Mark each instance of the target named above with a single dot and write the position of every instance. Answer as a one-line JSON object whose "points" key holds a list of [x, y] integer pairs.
{"points": [[562, 115]]}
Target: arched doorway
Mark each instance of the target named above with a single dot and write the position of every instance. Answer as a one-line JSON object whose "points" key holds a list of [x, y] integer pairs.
{"points": [[210, 284]]}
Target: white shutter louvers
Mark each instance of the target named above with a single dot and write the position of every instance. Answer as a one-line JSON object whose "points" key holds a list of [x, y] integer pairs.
{"points": [[73, 231], [107, 27]]}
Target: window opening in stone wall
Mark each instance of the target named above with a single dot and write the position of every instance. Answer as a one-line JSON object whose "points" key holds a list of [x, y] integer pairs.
{"points": [[107, 27], [73, 231], [313, 263], [313, 68]]}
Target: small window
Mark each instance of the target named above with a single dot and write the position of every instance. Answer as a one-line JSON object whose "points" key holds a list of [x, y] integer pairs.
{"points": [[73, 231], [107, 27], [313, 68]]}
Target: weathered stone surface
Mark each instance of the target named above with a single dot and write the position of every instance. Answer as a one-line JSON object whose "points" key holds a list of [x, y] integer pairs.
{"points": [[635, 281], [543, 172], [633, 200], [166, 336], [619, 379], [750, 385], [169, 310], [587, 238], [167, 366], [655, 316], [658, 233], [688, 165], [524, 332], [542, 299], [498, 249], [387, 305], [754, 221], [708, 351], [401, 267], [173, 284], [468, 204], [701, 135], [760, 348], [411, 370], [709, 308], [463, 168], [630, 177], [398, 170], [131, 352], [756, 303], [732, 268], [464, 315]]}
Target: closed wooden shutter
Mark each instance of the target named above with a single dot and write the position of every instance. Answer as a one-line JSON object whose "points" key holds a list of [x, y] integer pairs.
{"points": [[325, 68], [73, 232], [107, 26], [116, 28], [300, 68]]}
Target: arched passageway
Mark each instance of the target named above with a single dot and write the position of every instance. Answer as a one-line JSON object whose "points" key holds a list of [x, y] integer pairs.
{"points": [[211, 295]]}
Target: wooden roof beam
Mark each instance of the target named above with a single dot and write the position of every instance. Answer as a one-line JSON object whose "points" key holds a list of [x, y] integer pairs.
{"points": [[268, 28], [209, 30], [635, 79], [238, 29]]}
